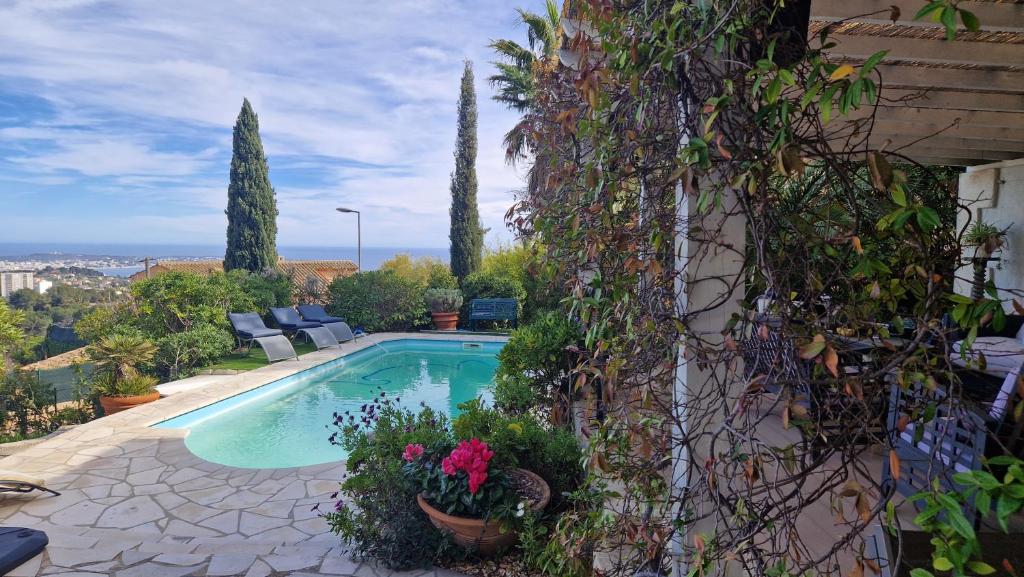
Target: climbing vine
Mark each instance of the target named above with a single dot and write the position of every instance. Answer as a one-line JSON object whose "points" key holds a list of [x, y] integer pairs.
{"points": [[728, 238]]}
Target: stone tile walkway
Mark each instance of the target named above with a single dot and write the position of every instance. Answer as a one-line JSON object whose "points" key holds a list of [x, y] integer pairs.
{"points": [[136, 502]]}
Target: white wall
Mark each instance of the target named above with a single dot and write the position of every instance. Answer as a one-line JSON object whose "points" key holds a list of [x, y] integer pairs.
{"points": [[995, 193]]}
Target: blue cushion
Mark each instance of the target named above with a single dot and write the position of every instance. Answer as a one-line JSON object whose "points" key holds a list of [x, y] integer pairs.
{"points": [[258, 333]]}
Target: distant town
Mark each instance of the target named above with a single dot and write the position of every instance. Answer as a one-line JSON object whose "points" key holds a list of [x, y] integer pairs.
{"points": [[41, 271]]}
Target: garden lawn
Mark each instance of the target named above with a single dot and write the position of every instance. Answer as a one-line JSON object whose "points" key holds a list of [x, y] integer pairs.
{"points": [[255, 358]]}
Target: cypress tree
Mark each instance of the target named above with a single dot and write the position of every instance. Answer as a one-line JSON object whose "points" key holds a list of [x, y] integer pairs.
{"points": [[252, 207], [467, 238]]}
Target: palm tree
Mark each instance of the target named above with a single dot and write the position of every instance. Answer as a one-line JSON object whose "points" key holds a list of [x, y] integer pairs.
{"points": [[121, 355], [519, 67]]}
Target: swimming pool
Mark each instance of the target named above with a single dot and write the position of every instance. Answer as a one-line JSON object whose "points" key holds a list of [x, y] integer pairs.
{"points": [[282, 424]]}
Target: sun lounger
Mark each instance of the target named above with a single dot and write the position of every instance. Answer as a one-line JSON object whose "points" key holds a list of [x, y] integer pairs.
{"points": [[18, 545], [317, 314], [290, 321], [322, 337], [341, 331], [14, 482], [249, 328]]}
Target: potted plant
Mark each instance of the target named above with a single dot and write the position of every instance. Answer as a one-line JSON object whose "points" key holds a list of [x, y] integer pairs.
{"points": [[117, 380], [986, 239], [444, 307], [464, 495]]}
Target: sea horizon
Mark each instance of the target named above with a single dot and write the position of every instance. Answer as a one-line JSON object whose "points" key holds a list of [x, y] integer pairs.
{"points": [[372, 256]]}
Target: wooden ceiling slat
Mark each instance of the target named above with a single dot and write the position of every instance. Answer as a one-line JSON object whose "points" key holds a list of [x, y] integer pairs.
{"points": [[994, 16], [909, 76], [932, 51], [953, 99]]}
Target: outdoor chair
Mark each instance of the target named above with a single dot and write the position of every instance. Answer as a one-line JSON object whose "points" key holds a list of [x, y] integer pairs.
{"points": [[249, 328], [952, 441], [18, 545], [14, 482], [317, 314], [289, 320], [337, 325]]}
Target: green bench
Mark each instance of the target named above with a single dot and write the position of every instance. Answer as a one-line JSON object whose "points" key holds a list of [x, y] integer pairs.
{"points": [[493, 310]]}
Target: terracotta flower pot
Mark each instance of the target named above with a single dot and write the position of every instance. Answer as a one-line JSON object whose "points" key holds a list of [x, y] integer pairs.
{"points": [[113, 405], [485, 538], [446, 321]]}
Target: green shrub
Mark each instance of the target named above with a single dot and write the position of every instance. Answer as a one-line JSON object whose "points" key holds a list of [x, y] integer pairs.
{"points": [[441, 277], [179, 353], [378, 515], [269, 289], [536, 357], [490, 285], [178, 301], [379, 300], [99, 322], [520, 263]]}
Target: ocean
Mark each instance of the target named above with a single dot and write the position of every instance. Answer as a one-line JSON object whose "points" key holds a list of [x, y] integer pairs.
{"points": [[373, 256]]}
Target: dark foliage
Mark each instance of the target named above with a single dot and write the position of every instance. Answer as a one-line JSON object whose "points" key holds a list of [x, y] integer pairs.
{"points": [[252, 207]]}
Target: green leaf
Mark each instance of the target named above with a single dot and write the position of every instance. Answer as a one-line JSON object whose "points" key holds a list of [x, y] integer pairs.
{"points": [[970, 20], [928, 9], [899, 196], [871, 62], [961, 525], [942, 564], [981, 567], [928, 218], [920, 573], [948, 20]]}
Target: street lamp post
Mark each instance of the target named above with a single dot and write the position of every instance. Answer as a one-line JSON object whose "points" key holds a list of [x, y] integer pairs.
{"points": [[359, 237]]}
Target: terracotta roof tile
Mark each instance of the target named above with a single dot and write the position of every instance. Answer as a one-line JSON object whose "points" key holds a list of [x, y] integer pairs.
{"points": [[300, 270]]}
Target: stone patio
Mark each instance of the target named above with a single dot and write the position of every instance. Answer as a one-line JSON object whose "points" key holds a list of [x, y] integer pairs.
{"points": [[136, 502]]}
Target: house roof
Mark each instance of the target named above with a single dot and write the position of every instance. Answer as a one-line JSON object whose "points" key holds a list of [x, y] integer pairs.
{"points": [[299, 270], [956, 103]]}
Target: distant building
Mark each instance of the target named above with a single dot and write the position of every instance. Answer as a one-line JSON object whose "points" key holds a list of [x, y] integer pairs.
{"points": [[43, 285], [15, 280], [300, 271]]}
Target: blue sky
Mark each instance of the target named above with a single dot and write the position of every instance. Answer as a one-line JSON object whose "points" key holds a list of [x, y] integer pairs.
{"points": [[116, 116]]}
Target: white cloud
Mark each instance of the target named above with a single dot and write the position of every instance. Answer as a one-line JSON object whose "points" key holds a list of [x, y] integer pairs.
{"points": [[362, 96]]}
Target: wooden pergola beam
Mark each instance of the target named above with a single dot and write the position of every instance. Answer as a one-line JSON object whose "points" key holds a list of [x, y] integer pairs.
{"points": [[994, 16], [926, 50]]}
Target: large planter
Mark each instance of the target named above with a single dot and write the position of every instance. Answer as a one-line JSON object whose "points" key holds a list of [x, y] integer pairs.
{"points": [[485, 538], [446, 321], [113, 405]]}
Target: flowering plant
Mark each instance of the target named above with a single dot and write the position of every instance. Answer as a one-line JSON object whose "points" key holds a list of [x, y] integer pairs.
{"points": [[461, 481]]}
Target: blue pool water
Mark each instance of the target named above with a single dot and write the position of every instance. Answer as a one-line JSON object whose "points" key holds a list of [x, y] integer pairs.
{"points": [[282, 424]]}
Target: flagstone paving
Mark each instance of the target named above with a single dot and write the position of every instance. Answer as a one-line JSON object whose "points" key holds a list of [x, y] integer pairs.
{"points": [[135, 502]]}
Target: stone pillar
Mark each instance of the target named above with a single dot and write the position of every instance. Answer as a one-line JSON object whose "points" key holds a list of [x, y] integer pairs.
{"points": [[710, 265]]}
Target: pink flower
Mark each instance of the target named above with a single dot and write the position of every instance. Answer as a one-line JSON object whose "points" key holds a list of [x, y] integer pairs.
{"points": [[473, 457], [412, 452]]}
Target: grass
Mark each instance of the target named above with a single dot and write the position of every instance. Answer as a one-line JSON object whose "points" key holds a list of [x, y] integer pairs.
{"points": [[256, 358]]}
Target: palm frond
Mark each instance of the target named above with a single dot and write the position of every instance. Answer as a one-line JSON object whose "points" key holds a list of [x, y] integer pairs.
{"points": [[513, 52]]}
